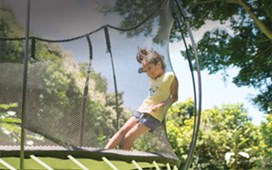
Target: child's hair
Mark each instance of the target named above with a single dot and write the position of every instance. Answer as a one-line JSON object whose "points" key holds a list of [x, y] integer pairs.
{"points": [[149, 56]]}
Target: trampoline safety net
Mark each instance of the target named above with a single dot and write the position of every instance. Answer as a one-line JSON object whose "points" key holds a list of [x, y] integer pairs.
{"points": [[82, 75]]}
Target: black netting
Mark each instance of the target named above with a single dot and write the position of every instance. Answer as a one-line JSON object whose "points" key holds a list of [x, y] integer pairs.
{"points": [[73, 100]]}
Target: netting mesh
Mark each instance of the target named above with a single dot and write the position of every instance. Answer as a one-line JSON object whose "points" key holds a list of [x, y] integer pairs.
{"points": [[72, 100]]}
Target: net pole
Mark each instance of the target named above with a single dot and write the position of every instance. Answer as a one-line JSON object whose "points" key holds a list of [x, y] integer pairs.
{"points": [[198, 110], [23, 119], [107, 36], [85, 93]]}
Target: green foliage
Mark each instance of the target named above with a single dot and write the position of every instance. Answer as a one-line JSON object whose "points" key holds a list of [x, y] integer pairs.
{"points": [[15, 52], [100, 82], [179, 127], [245, 44], [227, 139], [9, 121], [254, 65], [137, 11], [266, 150]]}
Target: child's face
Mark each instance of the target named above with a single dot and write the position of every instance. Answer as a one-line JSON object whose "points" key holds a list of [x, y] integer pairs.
{"points": [[153, 70]]}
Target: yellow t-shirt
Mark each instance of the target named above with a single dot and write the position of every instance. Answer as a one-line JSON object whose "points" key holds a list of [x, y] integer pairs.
{"points": [[159, 90]]}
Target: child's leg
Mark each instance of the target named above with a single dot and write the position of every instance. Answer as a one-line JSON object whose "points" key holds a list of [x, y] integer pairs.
{"points": [[118, 137], [133, 134]]}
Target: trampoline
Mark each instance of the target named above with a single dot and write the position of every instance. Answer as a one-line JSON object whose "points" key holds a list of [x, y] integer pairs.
{"points": [[69, 80]]}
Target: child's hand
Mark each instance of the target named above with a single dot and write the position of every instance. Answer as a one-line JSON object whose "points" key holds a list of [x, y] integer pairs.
{"points": [[156, 107]]}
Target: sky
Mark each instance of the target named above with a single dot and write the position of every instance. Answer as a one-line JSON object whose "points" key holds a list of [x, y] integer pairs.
{"points": [[56, 20]]}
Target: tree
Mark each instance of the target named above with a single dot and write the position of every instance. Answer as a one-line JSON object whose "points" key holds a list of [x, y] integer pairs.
{"points": [[245, 44], [227, 138], [266, 150], [7, 19]]}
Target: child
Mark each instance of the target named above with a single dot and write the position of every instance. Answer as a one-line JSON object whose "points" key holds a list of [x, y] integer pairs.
{"points": [[163, 91]]}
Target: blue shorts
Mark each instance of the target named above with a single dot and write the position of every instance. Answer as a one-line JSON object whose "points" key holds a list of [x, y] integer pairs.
{"points": [[147, 120]]}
